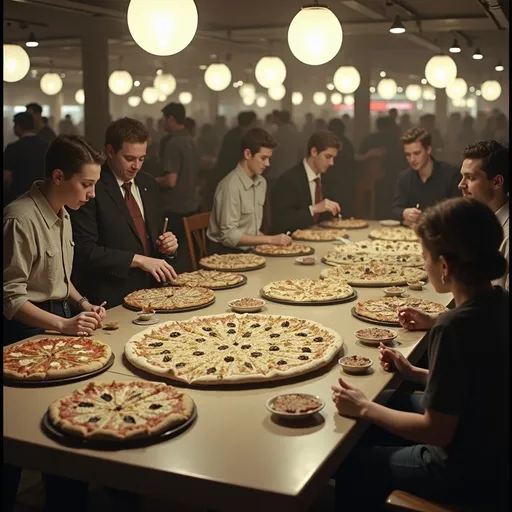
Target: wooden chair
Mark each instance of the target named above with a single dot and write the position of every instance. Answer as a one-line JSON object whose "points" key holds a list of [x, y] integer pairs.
{"points": [[365, 188], [401, 501], [195, 231]]}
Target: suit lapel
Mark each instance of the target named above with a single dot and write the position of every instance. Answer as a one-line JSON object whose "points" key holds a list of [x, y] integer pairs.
{"points": [[146, 203], [304, 185], [114, 192]]}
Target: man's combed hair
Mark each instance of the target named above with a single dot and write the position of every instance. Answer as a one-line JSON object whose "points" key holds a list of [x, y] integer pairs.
{"points": [[176, 110], [25, 121], [494, 158], [123, 130], [322, 140], [467, 233], [35, 107], [255, 139], [417, 135], [69, 153]]}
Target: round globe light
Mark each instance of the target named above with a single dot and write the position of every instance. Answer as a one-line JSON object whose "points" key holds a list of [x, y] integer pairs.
{"points": [[150, 95], [315, 35], [428, 94], [162, 27], [349, 100], [249, 100], [247, 90], [386, 88], [134, 101], [217, 77], [120, 82], [51, 84], [16, 63], [277, 93], [457, 89], [80, 96], [161, 96], [297, 98], [347, 79], [471, 102], [185, 97], [336, 98], [413, 92], [270, 72], [440, 71], [165, 83], [491, 90], [319, 98], [261, 101]]}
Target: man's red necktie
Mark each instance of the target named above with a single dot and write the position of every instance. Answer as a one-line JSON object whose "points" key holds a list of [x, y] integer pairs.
{"points": [[138, 220]]}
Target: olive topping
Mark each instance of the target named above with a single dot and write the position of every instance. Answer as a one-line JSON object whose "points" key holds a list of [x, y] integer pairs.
{"points": [[200, 340], [229, 359], [268, 328], [231, 331], [129, 419], [302, 334], [207, 329], [154, 407], [156, 344], [106, 397], [166, 359], [306, 349], [303, 358], [254, 326], [174, 334], [236, 343], [256, 354], [273, 348], [222, 347], [211, 370], [165, 352], [94, 419], [213, 334], [281, 362], [275, 335], [230, 324], [246, 335], [318, 339], [243, 347], [87, 404], [180, 365], [198, 353], [285, 324], [248, 365]]}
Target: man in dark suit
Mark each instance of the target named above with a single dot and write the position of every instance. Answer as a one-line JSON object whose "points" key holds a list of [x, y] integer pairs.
{"points": [[120, 246], [298, 201]]}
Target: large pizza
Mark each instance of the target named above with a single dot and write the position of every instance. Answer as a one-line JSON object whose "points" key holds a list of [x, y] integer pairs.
{"points": [[366, 258], [308, 290], [54, 358], [319, 235], [212, 279], [350, 223], [374, 274], [400, 233], [383, 246], [230, 262], [169, 298], [386, 309], [225, 349], [283, 250], [121, 410]]}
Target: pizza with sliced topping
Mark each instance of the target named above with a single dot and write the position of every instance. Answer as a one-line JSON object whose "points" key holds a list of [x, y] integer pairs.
{"points": [[170, 298], [349, 223], [231, 262], [399, 234], [308, 290], [283, 250], [319, 235], [212, 279]]}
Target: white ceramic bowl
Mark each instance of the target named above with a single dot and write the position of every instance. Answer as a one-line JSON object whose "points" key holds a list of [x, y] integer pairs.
{"points": [[306, 260], [142, 315], [291, 415], [246, 309], [360, 336], [389, 223], [416, 285], [354, 369], [393, 291]]}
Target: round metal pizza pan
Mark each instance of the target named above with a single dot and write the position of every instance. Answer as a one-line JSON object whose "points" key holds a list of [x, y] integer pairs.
{"points": [[295, 255], [322, 225], [372, 321], [237, 270], [226, 287], [310, 303], [57, 382], [180, 310], [57, 434]]}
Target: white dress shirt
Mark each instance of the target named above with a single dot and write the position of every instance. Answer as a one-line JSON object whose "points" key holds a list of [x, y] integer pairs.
{"points": [[312, 184], [135, 193]]}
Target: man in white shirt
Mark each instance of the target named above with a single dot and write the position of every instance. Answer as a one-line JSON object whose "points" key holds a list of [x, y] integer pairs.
{"points": [[485, 177], [298, 200]]}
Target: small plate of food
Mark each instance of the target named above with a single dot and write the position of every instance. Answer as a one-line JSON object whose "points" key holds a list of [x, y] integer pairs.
{"points": [[247, 305], [355, 364], [389, 223], [146, 314], [393, 291], [375, 335], [111, 326], [295, 405], [416, 285], [306, 260]]}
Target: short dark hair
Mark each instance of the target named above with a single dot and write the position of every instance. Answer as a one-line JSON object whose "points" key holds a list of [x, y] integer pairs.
{"points": [[189, 123], [25, 121], [255, 139], [176, 110], [337, 126], [246, 118], [385, 123], [494, 159], [123, 130], [322, 140], [69, 153], [417, 135], [35, 107], [448, 229]]}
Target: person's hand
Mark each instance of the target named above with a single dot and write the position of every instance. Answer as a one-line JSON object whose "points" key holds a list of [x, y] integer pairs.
{"points": [[414, 319], [280, 240], [100, 310], [376, 152], [83, 324], [349, 401], [411, 215], [391, 360], [167, 243], [159, 269], [327, 206]]}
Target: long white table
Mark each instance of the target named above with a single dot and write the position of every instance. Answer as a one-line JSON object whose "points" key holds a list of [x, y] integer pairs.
{"points": [[235, 456]]}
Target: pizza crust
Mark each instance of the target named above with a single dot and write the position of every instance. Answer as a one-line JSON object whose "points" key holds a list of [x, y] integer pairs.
{"points": [[399, 233], [385, 309], [284, 250], [230, 262], [208, 279], [319, 235], [350, 223], [308, 290], [170, 298]]}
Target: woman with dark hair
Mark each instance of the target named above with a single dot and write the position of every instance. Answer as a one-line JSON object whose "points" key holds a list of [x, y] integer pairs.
{"points": [[451, 444]]}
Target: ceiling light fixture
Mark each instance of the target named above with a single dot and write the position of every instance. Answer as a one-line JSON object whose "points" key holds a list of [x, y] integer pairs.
{"points": [[499, 66], [32, 42], [455, 47], [478, 54], [397, 27]]}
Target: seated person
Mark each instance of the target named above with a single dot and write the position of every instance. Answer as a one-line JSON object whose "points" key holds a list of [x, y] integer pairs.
{"points": [[449, 444], [426, 182], [237, 213], [297, 200], [485, 176]]}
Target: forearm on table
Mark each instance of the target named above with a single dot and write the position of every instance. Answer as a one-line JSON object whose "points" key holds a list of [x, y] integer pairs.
{"points": [[251, 240], [419, 375], [31, 315]]}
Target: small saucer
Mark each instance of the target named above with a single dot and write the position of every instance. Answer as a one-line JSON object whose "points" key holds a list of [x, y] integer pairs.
{"points": [[151, 321]]}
